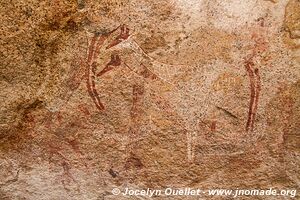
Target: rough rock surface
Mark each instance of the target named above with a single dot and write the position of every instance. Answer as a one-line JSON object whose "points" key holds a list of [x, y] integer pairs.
{"points": [[148, 94]]}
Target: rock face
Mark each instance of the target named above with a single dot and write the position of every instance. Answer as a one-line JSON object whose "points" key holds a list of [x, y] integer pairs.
{"points": [[97, 95]]}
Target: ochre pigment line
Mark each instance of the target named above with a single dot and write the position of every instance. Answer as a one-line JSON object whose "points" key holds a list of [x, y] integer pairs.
{"points": [[122, 36], [248, 67], [114, 62], [257, 93], [91, 50]]}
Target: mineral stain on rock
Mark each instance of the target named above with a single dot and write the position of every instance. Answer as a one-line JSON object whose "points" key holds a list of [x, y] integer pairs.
{"points": [[113, 173]]}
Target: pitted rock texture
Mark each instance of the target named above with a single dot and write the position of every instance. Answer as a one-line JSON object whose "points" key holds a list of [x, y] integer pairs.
{"points": [[148, 94]]}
